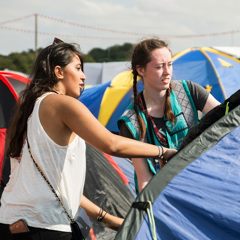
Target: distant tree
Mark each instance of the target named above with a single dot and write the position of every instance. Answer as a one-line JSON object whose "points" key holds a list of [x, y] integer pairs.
{"points": [[120, 53], [23, 62], [6, 63], [98, 54], [112, 54], [20, 61], [88, 58]]}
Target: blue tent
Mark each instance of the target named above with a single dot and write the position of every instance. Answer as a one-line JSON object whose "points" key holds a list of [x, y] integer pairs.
{"points": [[108, 101], [212, 69], [196, 195]]}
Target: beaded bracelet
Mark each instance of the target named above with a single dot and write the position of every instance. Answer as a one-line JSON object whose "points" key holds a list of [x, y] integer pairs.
{"points": [[100, 216]]}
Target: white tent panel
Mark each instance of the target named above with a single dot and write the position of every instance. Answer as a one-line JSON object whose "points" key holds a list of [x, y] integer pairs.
{"points": [[97, 73]]}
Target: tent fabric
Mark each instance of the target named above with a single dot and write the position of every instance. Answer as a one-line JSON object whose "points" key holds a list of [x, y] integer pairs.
{"points": [[233, 51], [109, 100], [209, 68], [196, 195], [106, 188], [127, 168], [117, 168], [92, 95], [212, 116], [7, 101], [2, 149], [11, 84], [99, 73]]}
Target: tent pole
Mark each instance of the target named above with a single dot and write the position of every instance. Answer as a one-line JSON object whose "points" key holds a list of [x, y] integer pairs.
{"points": [[217, 75], [36, 34]]}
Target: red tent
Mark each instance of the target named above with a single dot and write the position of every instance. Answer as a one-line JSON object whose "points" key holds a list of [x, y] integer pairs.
{"points": [[11, 83]]}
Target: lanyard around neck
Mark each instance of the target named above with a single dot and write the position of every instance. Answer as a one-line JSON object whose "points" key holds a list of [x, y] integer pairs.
{"points": [[159, 136]]}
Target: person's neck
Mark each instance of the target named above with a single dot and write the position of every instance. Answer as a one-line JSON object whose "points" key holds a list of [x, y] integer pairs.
{"points": [[58, 88], [155, 102]]}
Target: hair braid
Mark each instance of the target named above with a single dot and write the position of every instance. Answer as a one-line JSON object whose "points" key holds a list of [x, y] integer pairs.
{"points": [[135, 106], [168, 109]]}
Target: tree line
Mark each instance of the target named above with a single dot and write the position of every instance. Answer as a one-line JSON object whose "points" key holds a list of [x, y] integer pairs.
{"points": [[23, 62]]}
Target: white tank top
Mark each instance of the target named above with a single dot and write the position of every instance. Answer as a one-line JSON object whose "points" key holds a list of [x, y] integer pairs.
{"points": [[28, 196]]}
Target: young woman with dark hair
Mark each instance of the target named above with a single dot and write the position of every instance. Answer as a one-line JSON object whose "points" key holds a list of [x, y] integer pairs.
{"points": [[55, 125]]}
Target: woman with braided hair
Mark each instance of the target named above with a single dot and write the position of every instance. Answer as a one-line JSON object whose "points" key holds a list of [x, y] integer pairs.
{"points": [[164, 111]]}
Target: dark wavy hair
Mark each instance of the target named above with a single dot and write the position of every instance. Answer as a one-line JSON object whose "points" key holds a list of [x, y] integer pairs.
{"points": [[141, 56], [42, 79]]}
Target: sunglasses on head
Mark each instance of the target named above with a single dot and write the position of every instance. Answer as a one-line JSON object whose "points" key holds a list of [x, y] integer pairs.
{"points": [[57, 41]]}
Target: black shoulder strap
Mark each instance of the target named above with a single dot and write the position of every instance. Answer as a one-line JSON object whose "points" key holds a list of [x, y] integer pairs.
{"points": [[140, 205]]}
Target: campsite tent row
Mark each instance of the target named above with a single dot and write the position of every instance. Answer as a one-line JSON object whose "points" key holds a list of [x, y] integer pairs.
{"points": [[214, 70]]}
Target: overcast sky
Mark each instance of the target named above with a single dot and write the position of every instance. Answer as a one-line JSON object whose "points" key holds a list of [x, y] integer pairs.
{"points": [[104, 23]]}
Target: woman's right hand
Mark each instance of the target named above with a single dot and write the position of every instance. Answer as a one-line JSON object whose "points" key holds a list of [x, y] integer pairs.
{"points": [[168, 153]]}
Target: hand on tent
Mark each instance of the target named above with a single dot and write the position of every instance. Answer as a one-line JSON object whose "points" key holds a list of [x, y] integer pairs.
{"points": [[168, 153], [112, 222], [100, 215]]}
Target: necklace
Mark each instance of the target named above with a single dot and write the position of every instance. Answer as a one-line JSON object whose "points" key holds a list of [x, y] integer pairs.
{"points": [[54, 91]]}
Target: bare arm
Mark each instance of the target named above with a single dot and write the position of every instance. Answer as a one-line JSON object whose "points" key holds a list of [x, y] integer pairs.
{"points": [[81, 121], [210, 104], [92, 211], [142, 169], [61, 116]]}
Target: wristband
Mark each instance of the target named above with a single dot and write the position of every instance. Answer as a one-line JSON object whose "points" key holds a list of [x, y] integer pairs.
{"points": [[100, 216], [160, 155]]}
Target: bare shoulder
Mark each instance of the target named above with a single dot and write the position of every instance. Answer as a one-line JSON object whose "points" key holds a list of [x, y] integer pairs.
{"points": [[63, 108], [53, 112], [56, 104]]}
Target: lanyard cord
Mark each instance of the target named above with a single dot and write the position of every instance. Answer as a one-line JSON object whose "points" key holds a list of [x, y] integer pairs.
{"points": [[227, 108], [151, 220], [158, 134]]}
